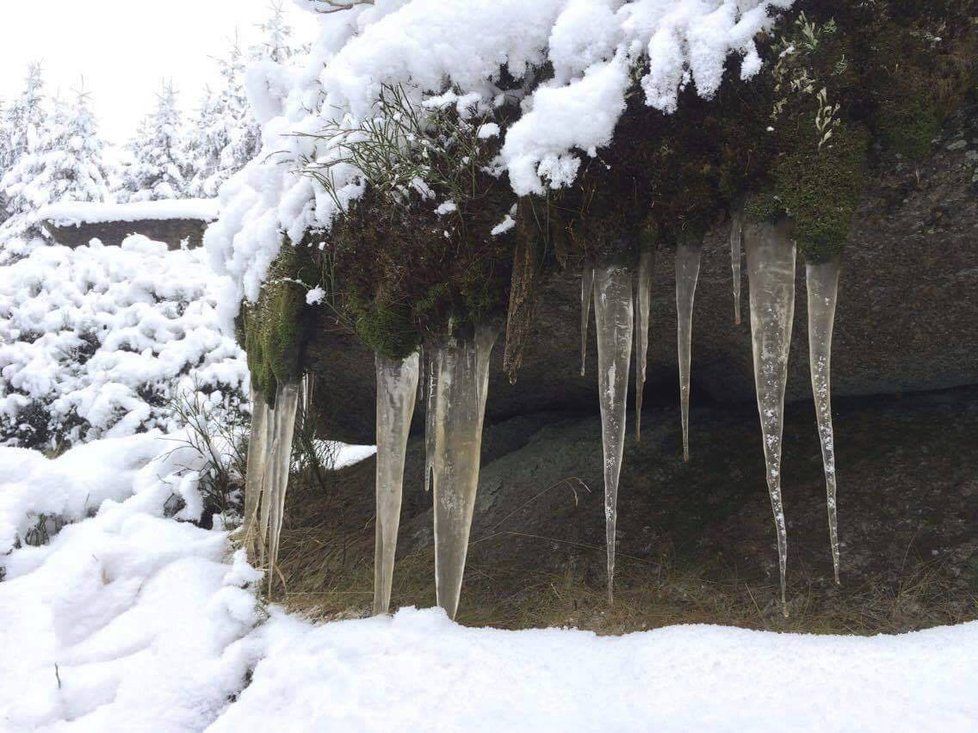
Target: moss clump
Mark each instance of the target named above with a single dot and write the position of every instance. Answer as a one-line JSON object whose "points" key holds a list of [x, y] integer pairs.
{"points": [[386, 328], [274, 331]]}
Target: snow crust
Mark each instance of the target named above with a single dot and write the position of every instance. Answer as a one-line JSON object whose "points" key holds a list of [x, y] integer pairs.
{"points": [[74, 213], [129, 620], [96, 340], [596, 48]]}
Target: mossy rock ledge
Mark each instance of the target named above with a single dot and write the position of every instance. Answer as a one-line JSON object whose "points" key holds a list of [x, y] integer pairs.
{"points": [[906, 319]]}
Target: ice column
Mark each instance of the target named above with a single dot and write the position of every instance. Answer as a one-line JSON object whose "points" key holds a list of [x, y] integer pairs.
{"points": [[823, 290], [255, 470], [613, 318], [771, 273], [687, 273], [587, 284], [736, 236], [276, 482], [643, 302], [460, 383], [397, 387]]}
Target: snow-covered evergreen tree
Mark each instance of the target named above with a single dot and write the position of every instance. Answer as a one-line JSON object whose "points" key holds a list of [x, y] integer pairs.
{"points": [[24, 124], [158, 166], [227, 133], [277, 44]]}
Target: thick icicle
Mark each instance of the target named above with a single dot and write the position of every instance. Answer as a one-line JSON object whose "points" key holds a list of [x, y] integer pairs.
{"points": [[587, 284], [643, 303], [613, 319], [397, 387], [276, 483], [461, 381], [771, 273], [736, 236], [823, 290], [255, 469], [687, 274]]}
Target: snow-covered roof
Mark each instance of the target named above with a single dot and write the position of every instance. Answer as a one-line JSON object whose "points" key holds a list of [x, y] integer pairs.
{"points": [[74, 213]]}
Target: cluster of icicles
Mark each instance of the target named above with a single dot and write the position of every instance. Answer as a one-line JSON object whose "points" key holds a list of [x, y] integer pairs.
{"points": [[456, 385]]}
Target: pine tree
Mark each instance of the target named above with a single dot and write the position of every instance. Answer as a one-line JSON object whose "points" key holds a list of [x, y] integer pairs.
{"points": [[24, 124], [277, 37], [158, 168], [227, 133]]}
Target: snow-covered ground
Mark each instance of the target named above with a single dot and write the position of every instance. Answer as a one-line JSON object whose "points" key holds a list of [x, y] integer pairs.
{"points": [[73, 213], [132, 621]]}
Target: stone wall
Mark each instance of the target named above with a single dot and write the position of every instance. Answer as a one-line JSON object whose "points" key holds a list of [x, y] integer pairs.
{"points": [[169, 231]]}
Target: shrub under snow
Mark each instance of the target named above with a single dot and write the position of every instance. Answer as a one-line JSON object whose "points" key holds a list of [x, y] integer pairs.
{"points": [[101, 340]]}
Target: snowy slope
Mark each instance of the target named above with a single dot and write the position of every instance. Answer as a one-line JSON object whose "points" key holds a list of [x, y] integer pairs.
{"points": [[130, 621]]}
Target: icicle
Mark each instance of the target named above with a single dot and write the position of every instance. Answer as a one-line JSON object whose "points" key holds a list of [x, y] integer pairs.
{"points": [[257, 457], [587, 284], [736, 235], [429, 417], [613, 319], [687, 273], [823, 290], [282, 427], [461, 382], [771, 272], [397, 387], [643, 303]]}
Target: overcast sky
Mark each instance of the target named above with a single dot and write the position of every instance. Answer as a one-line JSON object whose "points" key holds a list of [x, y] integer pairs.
{"points": [[124, 48]]}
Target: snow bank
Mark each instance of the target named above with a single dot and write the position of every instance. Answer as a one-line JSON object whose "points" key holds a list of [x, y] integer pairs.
{"points": [[597, 49], [127, 621], [132, 621], [74, 213], [98, 340]]}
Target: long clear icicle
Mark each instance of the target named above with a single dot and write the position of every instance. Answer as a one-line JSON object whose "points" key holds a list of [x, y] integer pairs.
{"points": [[823, 289], [397, 387], [643, 304], [736, 236], [771, 273], [613, 318], [587, 285], [461, 382], [255, 472], [687, 274], [282, 428], [429, 416]]}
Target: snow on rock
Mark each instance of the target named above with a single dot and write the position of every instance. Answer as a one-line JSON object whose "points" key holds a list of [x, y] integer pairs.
{"points": [[425, 47], [73, 213], [99, 340]]}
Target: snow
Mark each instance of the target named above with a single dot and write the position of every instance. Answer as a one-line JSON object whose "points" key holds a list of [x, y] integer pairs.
{"points": [[129, 620], [73, 213], [597, 49], [97, 340]]}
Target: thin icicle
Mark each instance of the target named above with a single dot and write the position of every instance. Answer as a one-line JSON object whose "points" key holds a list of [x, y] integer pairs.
{"points": [[279, 462], [461, 382], [587, 284], [429, 416], [687, 273], [736, 236], [255, 472], [397, 387], [613, 319], [643, 304], [823, 290], [771, 272]]}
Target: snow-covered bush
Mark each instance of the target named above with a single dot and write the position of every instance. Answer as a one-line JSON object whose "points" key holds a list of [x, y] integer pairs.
{"points": [[100, 341]]}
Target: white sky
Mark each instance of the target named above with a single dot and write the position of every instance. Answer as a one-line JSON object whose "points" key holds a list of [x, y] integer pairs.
{"points": [[124, 48]]}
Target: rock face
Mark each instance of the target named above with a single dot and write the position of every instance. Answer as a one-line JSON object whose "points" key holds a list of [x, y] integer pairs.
{"points": [[170, 231], [907, 318]]}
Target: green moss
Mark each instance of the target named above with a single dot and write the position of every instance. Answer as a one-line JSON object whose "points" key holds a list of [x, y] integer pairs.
{"points": [[386, 328], [275, 329]]}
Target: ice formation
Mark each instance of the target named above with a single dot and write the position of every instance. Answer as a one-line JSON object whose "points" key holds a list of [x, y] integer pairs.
{"points": [[276, 465], [460, 369], [823, 289], [771, 273], [397, 387], [687, 273], [614, 321], [255, 475], [643, 303], [736, 236], [587, 285]]}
